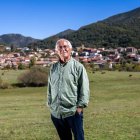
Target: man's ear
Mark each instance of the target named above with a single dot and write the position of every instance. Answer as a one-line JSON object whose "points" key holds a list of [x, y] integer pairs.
{"points": [[56, 51]]}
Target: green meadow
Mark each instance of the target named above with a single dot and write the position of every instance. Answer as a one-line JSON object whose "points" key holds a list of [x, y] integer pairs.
{"points": [[113, 112]]}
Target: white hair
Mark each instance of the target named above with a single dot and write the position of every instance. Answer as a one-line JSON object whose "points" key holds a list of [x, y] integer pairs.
{"points": [[65, 40]]}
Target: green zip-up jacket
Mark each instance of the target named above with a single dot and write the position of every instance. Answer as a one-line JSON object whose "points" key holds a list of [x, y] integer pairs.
{"points": [[68, 88]]}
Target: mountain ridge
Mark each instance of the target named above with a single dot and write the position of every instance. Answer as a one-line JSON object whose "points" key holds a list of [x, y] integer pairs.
{"points": [[121, 30], [17, 40]]}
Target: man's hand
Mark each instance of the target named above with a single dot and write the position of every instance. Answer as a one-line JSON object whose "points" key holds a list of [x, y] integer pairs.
{"points": [[79, 110]]}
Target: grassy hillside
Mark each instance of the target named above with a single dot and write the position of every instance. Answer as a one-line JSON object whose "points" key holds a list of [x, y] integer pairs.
{"points": [[113, 112]]}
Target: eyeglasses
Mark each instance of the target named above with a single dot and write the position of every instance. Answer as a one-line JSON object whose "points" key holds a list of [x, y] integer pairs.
{"points": [[63, 47]]}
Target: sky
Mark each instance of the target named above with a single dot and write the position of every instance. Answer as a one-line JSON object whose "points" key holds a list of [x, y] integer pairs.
{"points": [[43, 18]]}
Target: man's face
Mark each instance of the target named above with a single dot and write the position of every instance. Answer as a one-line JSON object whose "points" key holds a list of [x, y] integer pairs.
{"points": [[63, 49]]}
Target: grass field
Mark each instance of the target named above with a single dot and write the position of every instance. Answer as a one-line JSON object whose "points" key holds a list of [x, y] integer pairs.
{"points": [[113, 112], [10, 76]]}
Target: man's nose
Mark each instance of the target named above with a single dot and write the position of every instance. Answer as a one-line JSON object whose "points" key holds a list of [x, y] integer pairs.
{"points": [[63, 49]]}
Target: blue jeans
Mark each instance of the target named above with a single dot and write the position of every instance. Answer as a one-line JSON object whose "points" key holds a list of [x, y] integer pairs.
{"points": [[66, 126]]}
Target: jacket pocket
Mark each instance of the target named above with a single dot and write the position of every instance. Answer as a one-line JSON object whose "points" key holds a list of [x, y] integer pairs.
{"points": [[69, 102]]}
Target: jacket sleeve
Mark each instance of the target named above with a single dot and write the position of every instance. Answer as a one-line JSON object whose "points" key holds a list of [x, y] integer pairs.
{"points": [[49, 89], [83, 88]]}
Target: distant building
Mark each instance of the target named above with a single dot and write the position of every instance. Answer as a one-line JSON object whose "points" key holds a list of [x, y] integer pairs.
{"points": [[7, 48], [131, 50]]}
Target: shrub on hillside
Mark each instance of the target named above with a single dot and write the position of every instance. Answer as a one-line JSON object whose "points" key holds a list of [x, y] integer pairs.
{"points": [[36, 76]]}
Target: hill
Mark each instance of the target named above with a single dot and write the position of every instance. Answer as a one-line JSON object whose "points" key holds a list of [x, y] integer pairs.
{"points": [[17, 40], [50, 41], [120, 30], [66, 32]]}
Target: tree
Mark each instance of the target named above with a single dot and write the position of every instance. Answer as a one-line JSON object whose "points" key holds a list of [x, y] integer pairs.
{"points": [[21, 66], [32, 62], [13, 48]]}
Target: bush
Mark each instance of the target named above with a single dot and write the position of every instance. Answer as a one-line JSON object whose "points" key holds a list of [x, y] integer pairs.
{"points": [[129, 67], [21, 66], [36, 76], [137, 67], [0, 81], [3, 85]]}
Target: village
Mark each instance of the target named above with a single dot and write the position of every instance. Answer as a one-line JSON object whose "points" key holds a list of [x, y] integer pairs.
{"points": [[22, 57]]}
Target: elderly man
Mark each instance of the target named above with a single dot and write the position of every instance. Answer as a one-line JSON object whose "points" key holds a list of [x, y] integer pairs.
{"points": [[68, 93]]}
